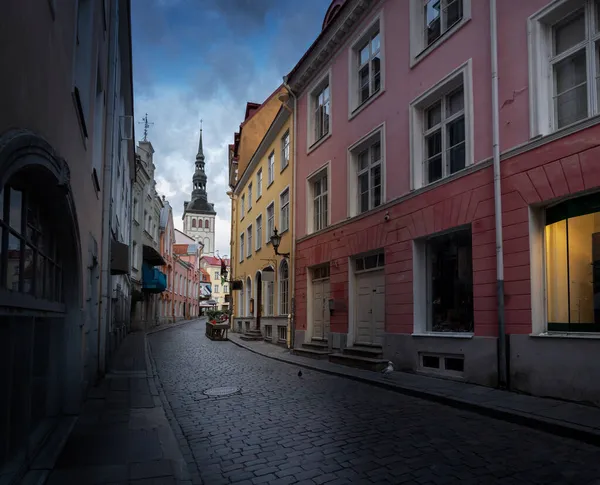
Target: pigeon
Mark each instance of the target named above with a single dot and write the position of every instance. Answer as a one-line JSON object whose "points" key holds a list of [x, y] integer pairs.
{"points": [[299, 373], [388, 370]]}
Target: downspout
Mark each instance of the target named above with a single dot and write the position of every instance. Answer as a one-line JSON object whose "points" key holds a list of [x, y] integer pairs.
{"points": [[502, 354], [292, 319], [105, 277]]}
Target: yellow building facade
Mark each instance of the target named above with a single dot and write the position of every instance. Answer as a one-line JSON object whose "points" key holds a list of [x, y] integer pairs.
{"points": [[262, 204]]}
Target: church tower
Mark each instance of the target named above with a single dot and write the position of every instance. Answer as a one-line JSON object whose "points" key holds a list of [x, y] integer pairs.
{"points": [[199, 214]]}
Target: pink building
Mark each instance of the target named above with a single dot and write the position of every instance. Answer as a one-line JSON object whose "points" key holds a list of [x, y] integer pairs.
{"points": [[397, 258]]}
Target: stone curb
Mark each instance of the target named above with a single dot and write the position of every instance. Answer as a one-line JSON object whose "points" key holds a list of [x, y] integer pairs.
{"points": [[177, 431], [172, 325], [549, 425]]}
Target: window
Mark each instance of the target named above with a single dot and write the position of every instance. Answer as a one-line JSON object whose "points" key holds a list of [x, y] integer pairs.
{"points": [[193, 222], [319, 188], [249, 235], [367, 163], [225, 289], [285, 150], [217, 275], [284, 282], [284, 204], [564, 53], [371, 261], [572, 253], [249, 196], [271, 172], [207, 224], [83, 60], [134, 255], [241, 247], [216, 290], [259, 232], [442, 127], [242, 206], [268, 331], [259, 184], [135, 210], [444, 286], [270, 298], [366, 65], [320, 112], [282, 334], [432, 21], [270, 221]]}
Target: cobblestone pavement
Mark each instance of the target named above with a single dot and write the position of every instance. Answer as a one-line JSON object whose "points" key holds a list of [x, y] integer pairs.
{"points": [[282, 429]]}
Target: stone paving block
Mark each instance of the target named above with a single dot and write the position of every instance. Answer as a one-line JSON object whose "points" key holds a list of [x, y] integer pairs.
{"points": [[150, 469]]}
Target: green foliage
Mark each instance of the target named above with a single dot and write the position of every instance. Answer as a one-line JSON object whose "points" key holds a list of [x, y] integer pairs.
{"points": [[217, 315]]}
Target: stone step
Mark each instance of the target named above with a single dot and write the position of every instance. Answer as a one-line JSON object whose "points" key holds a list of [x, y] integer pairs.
{"points": [[316, 345], [251, 337], [358, 362], [253, 332], [364, 351], [311, 353]]}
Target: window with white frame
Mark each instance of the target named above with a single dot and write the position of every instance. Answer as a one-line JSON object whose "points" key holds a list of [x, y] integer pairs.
{"points": [[270, 300], [284, 210], [216, 289], [366, 65], [319, 203], [564, 56], [282, 333], [319, 111], [249, 236], [259, 232], [285, 150], [284, 284], [270, 221], [249, 196], [367, 165], [268, 331], [441, 129], [241, 247], [242, 206], [271, 167], [259, 184]]}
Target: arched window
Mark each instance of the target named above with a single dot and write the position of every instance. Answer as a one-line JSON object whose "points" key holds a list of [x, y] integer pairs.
{"points": [[248, 296], [207, 224], [284, 285], [193, 222]]}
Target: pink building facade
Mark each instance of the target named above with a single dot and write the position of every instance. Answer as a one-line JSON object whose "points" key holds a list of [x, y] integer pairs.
{"points": [[395, 208]]}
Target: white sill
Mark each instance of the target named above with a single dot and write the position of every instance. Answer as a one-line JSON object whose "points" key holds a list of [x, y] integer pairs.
{"points": [[358, 109], [567, 335], [439, 41], [319, 142], [258, 198], [282, 170], [459, 335]]}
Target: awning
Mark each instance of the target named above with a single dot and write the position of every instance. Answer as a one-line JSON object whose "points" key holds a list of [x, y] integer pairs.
{"points": [[208, 304], [152, 256], [205, 290]]}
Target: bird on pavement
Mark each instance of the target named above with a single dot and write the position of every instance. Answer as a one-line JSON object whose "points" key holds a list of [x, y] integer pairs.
{"points": [[299, 373], [387, 372]]}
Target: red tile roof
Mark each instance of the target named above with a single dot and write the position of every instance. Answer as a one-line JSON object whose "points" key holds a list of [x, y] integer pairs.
{"points": [[214, 261]]}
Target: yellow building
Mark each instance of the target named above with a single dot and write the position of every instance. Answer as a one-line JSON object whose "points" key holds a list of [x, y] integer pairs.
{"points": [[262, 203]]}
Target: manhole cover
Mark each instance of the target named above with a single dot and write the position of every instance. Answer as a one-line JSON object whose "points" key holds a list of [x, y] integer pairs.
{"points": [[221, 391]]}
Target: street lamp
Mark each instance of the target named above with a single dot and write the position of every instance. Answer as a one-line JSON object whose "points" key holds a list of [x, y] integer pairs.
{"points": [[276, 241]]}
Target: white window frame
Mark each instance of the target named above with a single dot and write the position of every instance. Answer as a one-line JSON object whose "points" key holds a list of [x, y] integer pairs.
{"points": [[542, 117], [242, 206], [249, 196], [258, 225], [270, 168], [241, 247], [323, 170], [417, 109], [268, 236], [354, 104], [259, 183], [311, 141], [418, 48], [270, 295], [353, 151], [285, 150], [249, 241], [284, 305], [283, 207]]}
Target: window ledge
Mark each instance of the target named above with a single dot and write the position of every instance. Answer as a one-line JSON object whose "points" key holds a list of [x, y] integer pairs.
{"points": [[258, 198], [319, 142], [283, 232], [567, 335], [358, 109], [282, 170], [438, 42], [459, 335], [270, 183]]}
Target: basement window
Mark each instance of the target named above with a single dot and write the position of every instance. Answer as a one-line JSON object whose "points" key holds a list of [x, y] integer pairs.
{"points": [[430, 361], [268, 332]]}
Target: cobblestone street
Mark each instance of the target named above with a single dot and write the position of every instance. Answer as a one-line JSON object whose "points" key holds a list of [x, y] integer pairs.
{"points": [[282, 429]]}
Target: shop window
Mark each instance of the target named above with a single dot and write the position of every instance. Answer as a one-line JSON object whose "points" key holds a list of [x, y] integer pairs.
{"points": [[572, 252]]}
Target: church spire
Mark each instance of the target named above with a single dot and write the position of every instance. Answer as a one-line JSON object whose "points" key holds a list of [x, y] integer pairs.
{"points": [[200, 151], [199, 178]]}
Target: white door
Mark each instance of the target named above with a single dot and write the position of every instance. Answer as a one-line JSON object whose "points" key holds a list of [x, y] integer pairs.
{"points": [[370, 308], [320, 309]]}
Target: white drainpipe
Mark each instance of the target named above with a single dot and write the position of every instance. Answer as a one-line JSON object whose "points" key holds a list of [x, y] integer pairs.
{"points": [[502, 354]]}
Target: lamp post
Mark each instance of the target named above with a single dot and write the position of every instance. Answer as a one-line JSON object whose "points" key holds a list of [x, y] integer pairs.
{"points": [[276, 241]]}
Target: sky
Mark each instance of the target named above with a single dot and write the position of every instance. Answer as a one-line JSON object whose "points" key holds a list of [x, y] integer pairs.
{"points": [[205, 59]]}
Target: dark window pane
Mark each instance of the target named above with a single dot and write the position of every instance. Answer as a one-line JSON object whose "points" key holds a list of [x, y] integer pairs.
{"points": [[455, 102], [457, 158], [434, 169], [363, 191], [375, 43], [363, 55], [364, 83], [453, 12], [381, 261], [360, 264], [376, 181], [371, 261], [431, 361], [432, 20], [376, 63], [39, 276], [49, 281], [569, 32], [13, 263], [454, 363], [16, 206], [434, 115], [363, 160], [376, 152], [29, 271], [434, 144]]}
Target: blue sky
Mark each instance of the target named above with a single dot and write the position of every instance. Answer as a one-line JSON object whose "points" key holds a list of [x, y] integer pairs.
{"points": [[196, 59]]}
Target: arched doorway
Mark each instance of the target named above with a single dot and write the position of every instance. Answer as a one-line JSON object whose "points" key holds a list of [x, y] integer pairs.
{"points": [[41, 336], [258, 305], [248, 296]]}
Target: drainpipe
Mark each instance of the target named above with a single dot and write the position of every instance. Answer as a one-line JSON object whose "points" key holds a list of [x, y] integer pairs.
{"points": [[292, 319], [502, 354]]}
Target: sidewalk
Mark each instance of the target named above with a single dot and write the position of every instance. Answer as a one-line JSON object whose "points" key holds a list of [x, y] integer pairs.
{"points": [[122, 435], [559, 417]]}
